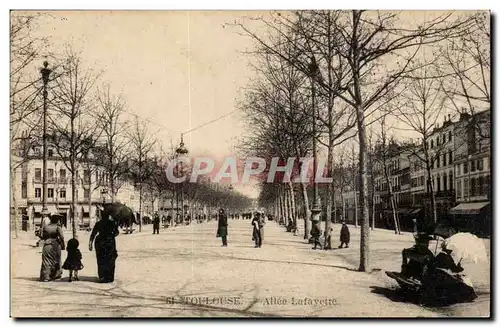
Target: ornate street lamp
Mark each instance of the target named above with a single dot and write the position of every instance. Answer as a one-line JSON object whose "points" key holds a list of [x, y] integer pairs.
{"points": [[316, 207], [45, 78], [181, 151]]}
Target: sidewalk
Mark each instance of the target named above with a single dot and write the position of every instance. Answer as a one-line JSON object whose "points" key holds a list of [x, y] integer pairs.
{"points": [[157, 273]]}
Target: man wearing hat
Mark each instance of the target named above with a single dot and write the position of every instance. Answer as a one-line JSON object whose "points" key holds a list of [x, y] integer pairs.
{"points": [[222, 227]]}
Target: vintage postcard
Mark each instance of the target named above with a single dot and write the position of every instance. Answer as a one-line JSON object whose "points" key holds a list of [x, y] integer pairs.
{"points": [[314, 163]]}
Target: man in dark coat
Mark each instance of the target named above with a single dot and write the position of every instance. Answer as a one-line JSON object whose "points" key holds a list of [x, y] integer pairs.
{"points": [[156, 224], [345, 236], [222, 227]]}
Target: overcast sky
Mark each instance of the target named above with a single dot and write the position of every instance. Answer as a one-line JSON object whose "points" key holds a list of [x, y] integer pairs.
{"points": [[178, 69]]}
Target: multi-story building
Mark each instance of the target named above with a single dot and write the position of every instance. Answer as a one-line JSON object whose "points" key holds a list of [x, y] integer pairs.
{"points": [[472, 167], [91, 187]]}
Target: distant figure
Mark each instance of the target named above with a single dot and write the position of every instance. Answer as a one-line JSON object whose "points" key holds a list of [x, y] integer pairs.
{"points": [[222, 227], [262, 222], [156, 224], [256, 231], [328, 241], [73, 261], [345, 235], [316, 233]]}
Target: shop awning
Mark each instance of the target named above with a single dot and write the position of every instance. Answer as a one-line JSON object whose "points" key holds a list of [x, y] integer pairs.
{"points": [[472, 208], [63, 207], [37, 209]]}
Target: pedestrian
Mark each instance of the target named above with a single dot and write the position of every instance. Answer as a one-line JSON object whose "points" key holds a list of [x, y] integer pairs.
{"points": [[316, 234], [222, 227], [256, 231], [104, 233], [345, 236], [328, 241], [53, 242], [73, 261], [262, 222], [156, 224]]}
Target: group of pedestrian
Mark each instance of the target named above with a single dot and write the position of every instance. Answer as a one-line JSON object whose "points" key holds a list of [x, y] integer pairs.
{"points": [[52, 237], [258, 222], [345, 237]]}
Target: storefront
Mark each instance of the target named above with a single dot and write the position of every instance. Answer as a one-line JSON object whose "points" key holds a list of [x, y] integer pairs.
{"points": [[473, 217]]}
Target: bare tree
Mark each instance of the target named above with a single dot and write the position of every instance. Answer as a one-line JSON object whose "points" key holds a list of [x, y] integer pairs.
{"points": [[72, 126], [142, 144], [25, 93], [111, 120], [385, 150]]}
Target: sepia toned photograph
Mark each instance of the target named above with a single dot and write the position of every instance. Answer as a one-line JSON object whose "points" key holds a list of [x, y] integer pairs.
{"points": [[250, 164]]}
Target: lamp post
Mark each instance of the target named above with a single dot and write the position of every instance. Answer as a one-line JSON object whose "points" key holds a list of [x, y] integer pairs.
{"points": [[45, 78], [316, 207], [181, 151]]}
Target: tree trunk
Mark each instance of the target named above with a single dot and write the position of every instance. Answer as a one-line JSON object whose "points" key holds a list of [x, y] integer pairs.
{"points": [[373, 207], [14, 200], [329, 189], [285, 203], [365, 224], [140, 208], [293, 204], [307, 218], [430, 186], [356, 208], [73, 195]]}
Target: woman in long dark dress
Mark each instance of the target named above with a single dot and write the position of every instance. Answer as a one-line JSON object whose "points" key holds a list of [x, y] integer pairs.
{"points": [[104, 233], [53, 243]]}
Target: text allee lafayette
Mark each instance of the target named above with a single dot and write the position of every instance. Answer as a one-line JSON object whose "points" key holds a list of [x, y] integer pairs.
{"points": [[306, 301]]}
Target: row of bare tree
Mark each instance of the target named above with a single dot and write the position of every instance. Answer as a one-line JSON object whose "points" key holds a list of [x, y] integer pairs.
{"points": [[351, 72]]}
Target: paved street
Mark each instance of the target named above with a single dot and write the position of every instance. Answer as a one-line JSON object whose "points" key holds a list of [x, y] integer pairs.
{"points": [[185, 272]]}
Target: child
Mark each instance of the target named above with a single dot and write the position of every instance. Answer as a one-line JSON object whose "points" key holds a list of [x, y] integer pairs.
{"points": [[73, 261]]}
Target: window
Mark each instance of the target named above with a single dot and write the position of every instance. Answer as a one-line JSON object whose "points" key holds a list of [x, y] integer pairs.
{"points": [[459, 189], [421, 180], [450, 180], [62, 176], [50, 175], [473, 166], [444, 160], [38, 192], [38, 174], [24, 190], [480, 186], [62, 194], [432, 144], [466, 188], [445, 182], [472, 187], [76, 194], [480, 164], [437, 140], [437, 161], [438, 184], [86, 176], [449, 136], [487, 185], [450, 157], [50, 193], [465, 168], [50, 153], [86, 193]]}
